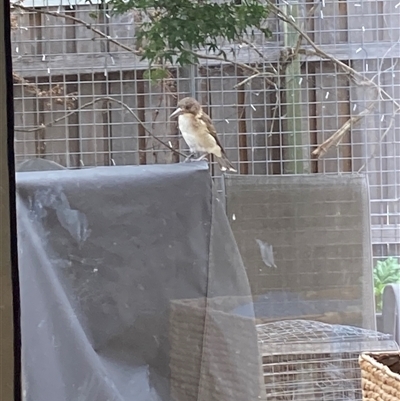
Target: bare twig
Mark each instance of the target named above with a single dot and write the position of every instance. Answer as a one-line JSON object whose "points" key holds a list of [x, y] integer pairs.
{"points": [[111, 40], [317, 51], [335, 138], [392, 119], [254, 47], [225, 60], [121, 45], [353, 73], [78, 21], [164, 88], [309, 15], [244, 67], [30, 87], [55, 93], [275, 108], [357, 77], [91, 103], [281, 15], [380, 67], [251, 77]]}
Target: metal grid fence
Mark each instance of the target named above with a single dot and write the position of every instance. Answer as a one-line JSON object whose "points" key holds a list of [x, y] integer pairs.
{"points": [[79, 94]]}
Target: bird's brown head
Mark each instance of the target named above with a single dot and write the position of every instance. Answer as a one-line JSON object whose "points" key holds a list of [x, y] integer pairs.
{"points": [[187, 105]]}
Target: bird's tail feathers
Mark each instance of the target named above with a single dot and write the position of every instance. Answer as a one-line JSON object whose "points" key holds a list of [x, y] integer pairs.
{"points": [[224, 163]]}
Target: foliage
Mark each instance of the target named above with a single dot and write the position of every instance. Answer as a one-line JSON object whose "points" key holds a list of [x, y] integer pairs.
{"points": [[385, 272], [175, 27], [155, 74]]}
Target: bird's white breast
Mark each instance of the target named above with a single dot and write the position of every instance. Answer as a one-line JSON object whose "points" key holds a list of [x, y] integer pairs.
{"points": [[189, 132]]}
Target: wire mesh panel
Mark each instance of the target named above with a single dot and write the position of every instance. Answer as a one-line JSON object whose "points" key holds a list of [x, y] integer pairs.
{"points": [[327, 103], [305, 242], [307, 360]]}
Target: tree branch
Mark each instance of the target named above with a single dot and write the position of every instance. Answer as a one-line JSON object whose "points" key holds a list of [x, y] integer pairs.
{"points": [[78, 21], [260, 74], [309, 15], [91, 103], [335, 138], [254, 47], [357, 77], [317, 51], [243, 66]]}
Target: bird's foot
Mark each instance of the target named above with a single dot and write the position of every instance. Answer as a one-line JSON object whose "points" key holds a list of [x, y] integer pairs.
{"points": [[189, 158], [201, 158]]}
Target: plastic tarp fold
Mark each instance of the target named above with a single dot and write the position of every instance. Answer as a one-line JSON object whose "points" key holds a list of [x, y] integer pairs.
{"points": [[130, 278]]}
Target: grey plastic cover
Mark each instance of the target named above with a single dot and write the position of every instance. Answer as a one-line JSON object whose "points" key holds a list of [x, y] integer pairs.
{"points": [[130, 283]]}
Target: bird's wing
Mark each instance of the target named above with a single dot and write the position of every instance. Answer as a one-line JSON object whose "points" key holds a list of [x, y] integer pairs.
{"points": [[205, 119]]}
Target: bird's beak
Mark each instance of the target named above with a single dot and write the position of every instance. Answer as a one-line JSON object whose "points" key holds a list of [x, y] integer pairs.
{"points": [[176, 112]]}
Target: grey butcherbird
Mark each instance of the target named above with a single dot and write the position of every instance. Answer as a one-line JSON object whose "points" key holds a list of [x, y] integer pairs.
{"points": [[199, 132]]}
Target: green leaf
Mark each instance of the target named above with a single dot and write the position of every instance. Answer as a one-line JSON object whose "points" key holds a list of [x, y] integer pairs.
{"points": [[267, 32], [155, 74], [183, 24], [385, 272]]}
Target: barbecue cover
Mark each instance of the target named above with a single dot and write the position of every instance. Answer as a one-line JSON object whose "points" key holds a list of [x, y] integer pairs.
{"points": [[131, 281]]}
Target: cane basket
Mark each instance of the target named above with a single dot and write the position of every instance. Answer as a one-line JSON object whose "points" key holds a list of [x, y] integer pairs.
{"points": [[380, 376]]}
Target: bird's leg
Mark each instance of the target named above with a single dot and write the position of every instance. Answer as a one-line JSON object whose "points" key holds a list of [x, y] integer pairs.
{"points": [[202, 157], [189, 157]]}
